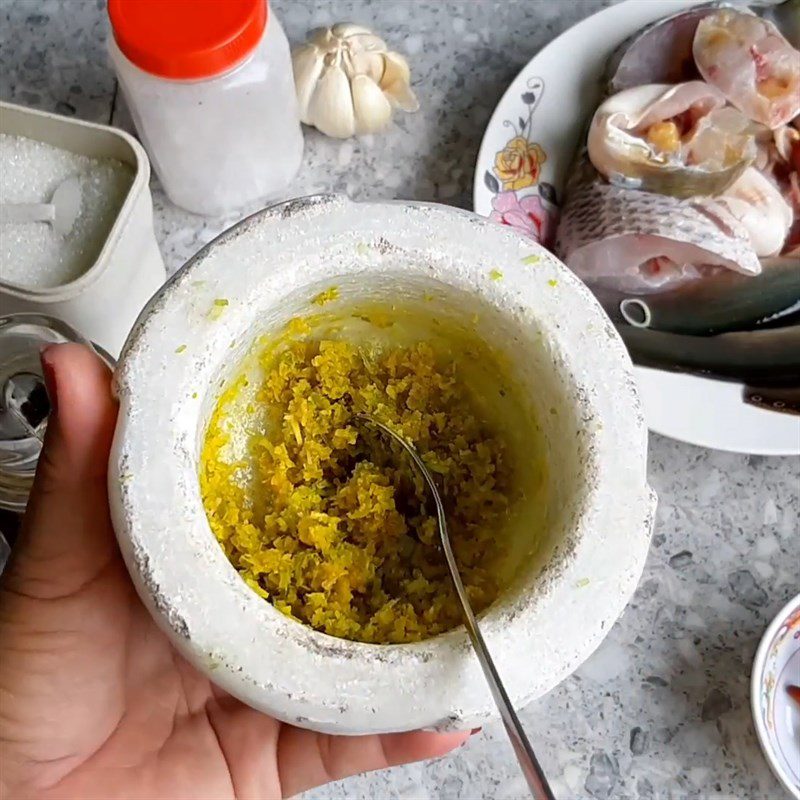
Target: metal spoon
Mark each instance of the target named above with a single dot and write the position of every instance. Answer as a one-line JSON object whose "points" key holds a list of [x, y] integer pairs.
{"points": [[537, 782]]}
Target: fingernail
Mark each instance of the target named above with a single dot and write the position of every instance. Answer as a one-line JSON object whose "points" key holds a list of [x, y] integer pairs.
{"points": [[49, 378]]}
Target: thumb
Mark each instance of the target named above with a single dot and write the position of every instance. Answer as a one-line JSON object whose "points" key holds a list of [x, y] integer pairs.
{"points": [[66, 536]]}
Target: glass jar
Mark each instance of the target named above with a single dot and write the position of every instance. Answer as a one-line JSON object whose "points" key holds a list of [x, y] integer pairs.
{"points": [[24, 406], [210, 88]]}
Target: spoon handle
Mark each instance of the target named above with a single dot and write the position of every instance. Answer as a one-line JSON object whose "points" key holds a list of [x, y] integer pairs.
{"points": [[27, 212], [534, 775]]}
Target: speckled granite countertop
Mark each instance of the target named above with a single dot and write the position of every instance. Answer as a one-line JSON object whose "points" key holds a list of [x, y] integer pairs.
{"points": [[662, 708]]}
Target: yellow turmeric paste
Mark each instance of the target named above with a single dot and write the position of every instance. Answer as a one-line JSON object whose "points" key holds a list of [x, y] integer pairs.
{"points": [[334, 528]]}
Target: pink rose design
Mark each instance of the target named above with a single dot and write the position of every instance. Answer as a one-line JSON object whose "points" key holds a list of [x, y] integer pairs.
{"points": [[528, 215]]}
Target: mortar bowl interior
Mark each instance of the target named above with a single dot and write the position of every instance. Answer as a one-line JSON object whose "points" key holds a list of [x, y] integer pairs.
{"points": [[495, 358]]}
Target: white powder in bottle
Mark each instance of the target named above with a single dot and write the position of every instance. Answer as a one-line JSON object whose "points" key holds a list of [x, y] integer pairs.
{"points": [[33, 255]]}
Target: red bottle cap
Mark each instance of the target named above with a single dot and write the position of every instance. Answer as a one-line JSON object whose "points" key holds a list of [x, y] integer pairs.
{"points": [[187, 39]]}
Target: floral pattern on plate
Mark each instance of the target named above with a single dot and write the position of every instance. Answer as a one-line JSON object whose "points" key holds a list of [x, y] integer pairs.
{"points": [[520, 199]]}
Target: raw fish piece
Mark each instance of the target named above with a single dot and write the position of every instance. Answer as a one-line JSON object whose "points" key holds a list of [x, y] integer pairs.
{"points": [[786, 17], [779, 146], [717, 303], [640, 242], [782, 400], [754, 205], [787, 176], [659, 53], [676, 140], [763, 358], [787, 143], [779, 160], [751, 63]]}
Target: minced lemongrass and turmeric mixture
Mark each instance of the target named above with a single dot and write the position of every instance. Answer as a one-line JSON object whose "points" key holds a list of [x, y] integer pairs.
{"points": [[332, 525]]}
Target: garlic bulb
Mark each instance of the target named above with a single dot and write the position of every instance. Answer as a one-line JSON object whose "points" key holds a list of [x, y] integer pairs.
{"points": [[347, 81]]}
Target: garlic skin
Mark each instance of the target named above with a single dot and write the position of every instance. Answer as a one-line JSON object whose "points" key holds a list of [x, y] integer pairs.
{"points": [[348, 81]]}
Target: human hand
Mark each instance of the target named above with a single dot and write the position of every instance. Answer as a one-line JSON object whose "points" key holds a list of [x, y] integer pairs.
{"points": [[94, 701]]}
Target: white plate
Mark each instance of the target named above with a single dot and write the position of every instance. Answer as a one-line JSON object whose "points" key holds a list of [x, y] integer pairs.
{"points": [[550, 101], [776, 715]]}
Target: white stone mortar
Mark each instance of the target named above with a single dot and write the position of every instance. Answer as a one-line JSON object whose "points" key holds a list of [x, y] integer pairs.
{"points": [[600, 509]]}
